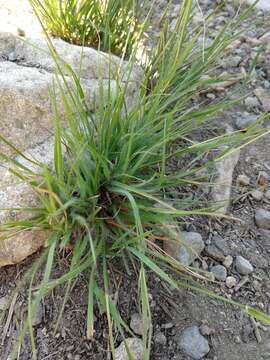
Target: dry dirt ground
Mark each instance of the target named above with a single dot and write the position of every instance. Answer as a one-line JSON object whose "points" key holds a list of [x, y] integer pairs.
{"points": [[231, 334]]}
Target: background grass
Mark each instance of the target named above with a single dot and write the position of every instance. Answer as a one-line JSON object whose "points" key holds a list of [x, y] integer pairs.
{"points": [[108, 25]]}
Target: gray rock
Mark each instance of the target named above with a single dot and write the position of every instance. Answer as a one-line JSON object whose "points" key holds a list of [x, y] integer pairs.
{"points": [[220, 272], [136, 324], [25, 107], [221, 244], [262, 219], [245, 120], [135, 347], [160, 339], [231, 282], [26, 119], [252, 102], [243, 266], [193, 344], [265, 234], [215, 253], [186, 248], [90, 63]]}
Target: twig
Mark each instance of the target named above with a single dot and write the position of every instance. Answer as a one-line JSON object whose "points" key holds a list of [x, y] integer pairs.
{"points": [[256, 330], [10, 313]]}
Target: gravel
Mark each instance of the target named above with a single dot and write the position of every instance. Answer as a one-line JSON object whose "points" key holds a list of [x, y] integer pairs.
{"points": [[193, 344], [245, 120], [243, 266], [187, 249], [231, 282]]}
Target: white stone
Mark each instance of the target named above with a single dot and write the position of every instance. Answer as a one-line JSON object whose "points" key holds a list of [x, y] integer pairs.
{"points": [[185, 247], [135, 347], [231, 282]]}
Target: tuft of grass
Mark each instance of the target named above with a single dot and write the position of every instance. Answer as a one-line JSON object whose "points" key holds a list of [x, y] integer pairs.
{"points": [[108, 25], [110, 194]]}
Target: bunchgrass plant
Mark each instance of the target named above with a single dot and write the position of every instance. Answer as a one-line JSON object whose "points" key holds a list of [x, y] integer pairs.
{"points": [[110, 194], [108, 25]]}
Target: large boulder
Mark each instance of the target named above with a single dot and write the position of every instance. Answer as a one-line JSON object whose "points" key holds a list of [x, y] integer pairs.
{"points": [[15, 195], [25, 106], [26, 76]]}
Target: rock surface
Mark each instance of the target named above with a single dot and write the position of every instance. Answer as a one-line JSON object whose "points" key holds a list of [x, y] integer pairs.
{"points": [[243, 266], [185, 249], [26, 76], [262, 219], [135, 347], [136, 324], [231, 282], [26, 119], [193, 344], [18, 246], [245, 120]]}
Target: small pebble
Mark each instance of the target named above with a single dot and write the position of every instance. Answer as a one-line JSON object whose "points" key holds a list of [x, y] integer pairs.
{"points": [[160, 339], [220, 272], [262, 219], [252, 102], [257, 195], [228, 261], [193, 344], [231, 282], [136, 324], [243, 180], [243, 266]]}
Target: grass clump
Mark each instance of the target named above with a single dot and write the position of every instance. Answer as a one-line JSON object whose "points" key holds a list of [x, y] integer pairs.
{"points": [[110, 195], [108, 25]]}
